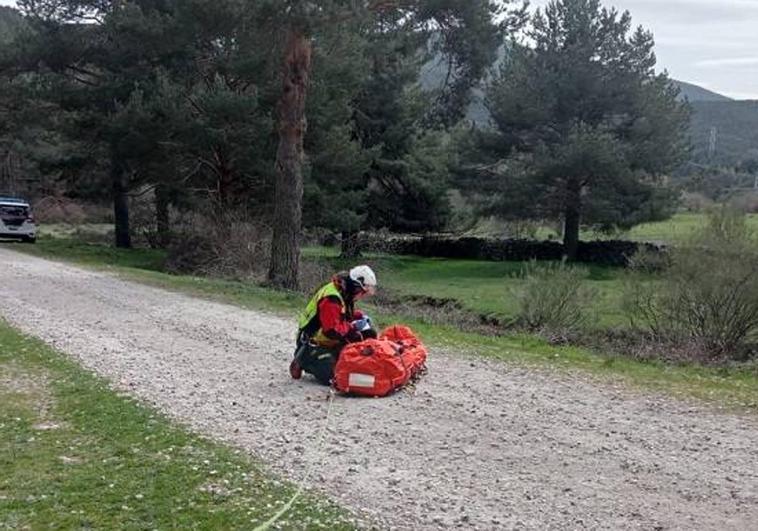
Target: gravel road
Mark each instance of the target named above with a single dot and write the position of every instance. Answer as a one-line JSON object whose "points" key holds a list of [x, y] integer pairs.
{"points": [[480, 445]]}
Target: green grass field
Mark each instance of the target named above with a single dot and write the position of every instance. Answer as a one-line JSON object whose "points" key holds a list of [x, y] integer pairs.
{"points": [[728, 387], [487, 288], [677, 229], [76, 455], [673, 231]]}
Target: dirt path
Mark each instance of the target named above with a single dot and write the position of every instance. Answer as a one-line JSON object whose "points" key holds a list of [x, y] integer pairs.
{"points": [[479, 446]]}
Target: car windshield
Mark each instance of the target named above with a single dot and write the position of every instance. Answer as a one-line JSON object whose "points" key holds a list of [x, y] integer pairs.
{"points": [[13, 211]]}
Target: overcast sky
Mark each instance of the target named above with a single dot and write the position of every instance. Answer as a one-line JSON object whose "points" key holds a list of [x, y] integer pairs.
{"points": [[712, 43]]}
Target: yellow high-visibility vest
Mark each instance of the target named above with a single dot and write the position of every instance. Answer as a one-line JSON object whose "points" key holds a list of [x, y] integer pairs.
{"points": [[311, 312]]}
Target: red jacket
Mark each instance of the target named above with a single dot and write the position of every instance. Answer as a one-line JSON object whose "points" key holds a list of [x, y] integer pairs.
{"points": [[335, 324]]}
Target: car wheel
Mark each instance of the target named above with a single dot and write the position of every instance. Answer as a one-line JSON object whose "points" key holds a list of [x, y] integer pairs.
{"points": [[29, 239]]}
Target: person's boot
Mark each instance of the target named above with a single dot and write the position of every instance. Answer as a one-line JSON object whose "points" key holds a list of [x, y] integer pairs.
{"points": [[296, 371]]}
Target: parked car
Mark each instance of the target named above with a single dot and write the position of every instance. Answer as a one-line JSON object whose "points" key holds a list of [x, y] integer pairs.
{"points": [[16, 220]]}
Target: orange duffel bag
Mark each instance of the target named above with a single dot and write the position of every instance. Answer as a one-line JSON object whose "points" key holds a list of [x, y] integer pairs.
{"points": [[378, 367]]}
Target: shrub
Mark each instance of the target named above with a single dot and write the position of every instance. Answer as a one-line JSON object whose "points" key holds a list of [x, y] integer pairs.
{"points": [[98, 213], [314, 274], [53, 209], [649, 261], [696, 202], [56, 209], [526, 229], [747, 203], [142, 220], [232, 248], [554, 298], [708, 294]]}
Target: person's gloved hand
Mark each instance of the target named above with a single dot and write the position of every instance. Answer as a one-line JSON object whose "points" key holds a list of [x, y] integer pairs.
{"points": [[354, 336], [362, 325]]}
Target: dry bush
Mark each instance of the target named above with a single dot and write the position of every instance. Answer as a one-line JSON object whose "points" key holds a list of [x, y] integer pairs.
{"points": [[708, 297], [747, 203], [314, 274], [98, 213], [554, 299], [142, 221], [319, 237], [640, 344], [696, 202], [648, 261], [53, 209], [522, 230], [640, 292], [234, 247]]}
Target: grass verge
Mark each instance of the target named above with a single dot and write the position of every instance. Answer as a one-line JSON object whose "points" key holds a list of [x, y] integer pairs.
{"points": [[75, 454], [734, 388]]}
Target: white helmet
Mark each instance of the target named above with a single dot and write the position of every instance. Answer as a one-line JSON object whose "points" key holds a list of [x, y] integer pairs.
{"points": [[364, 276]]}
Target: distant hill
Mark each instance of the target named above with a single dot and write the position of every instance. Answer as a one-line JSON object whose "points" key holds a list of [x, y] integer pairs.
{"points": [[733, 126], [693, 93], [734, 123], [724, 131], [434, 73]]}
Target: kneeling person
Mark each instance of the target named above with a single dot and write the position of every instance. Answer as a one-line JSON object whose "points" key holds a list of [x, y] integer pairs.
{"points": [[330, 321]]}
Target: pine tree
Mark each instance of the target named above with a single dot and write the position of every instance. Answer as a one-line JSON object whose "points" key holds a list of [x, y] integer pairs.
{"points": [[583, 125], [463, 30], [100, 58]]}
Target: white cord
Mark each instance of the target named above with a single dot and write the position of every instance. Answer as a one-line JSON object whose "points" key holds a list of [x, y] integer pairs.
{"points": [[287, 506]]}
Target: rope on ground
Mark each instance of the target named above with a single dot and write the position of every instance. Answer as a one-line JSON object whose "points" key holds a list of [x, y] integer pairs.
{"points": [[287, 506]]}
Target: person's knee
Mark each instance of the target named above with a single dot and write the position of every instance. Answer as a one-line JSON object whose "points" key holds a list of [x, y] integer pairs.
{"points": [[323, 371], [319, 363]]}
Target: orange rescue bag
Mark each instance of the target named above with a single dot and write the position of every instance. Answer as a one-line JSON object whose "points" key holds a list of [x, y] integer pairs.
{"points": [[378, 367]]}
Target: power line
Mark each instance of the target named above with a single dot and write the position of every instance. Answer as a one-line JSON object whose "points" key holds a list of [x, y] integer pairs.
{"points": [[712, 142]]}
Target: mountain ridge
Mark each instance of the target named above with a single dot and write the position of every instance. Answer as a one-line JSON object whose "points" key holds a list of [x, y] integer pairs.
{"points": [[694, 93]]}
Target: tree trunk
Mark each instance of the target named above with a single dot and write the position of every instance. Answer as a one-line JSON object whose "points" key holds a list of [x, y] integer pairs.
{"points": [[224, 196], [288, 197], [350, 245], [162, 219], [224, 205], [572, 222], [120, 206]]}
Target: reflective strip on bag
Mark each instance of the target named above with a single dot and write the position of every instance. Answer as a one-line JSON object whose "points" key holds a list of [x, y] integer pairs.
{"points": [[361, 380]]}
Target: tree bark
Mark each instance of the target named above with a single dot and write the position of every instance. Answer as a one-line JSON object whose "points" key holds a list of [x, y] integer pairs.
{"points": [[572, 222], [224, 203], [288, 197], [225, 182], [120, 205], [350, 245], [162, 218]]}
